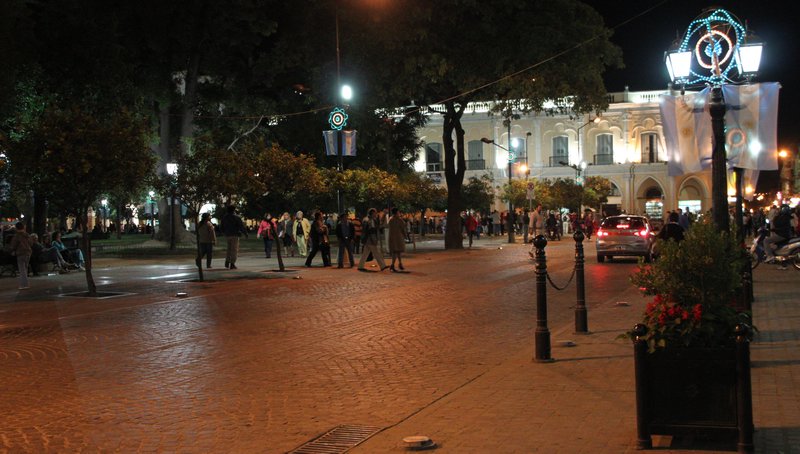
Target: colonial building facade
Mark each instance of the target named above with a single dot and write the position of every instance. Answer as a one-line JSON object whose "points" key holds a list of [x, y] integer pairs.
{"points": [[625, 144]]}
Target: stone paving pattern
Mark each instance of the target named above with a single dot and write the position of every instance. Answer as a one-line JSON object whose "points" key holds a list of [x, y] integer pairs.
{"points": [[253, 361]]}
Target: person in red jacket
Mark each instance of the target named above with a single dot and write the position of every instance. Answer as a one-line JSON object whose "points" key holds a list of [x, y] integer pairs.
{"points": [[471, 225]]}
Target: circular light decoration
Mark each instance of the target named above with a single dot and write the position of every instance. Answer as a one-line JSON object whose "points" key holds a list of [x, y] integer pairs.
{"points": [[337, 119], [715, 35], [712, 50]]}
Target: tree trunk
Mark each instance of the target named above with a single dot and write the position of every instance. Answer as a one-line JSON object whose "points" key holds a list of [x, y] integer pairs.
{"points": [[83, 222], [278, 242], [39, 214], [120, 207], [199, 261], [453, 172]]}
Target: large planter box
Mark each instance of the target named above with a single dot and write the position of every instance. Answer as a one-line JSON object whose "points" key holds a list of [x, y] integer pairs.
{"points": [[700, 392]]}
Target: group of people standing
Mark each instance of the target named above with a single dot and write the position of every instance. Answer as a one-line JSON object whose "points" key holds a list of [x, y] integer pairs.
{"points": [[307, 239]]}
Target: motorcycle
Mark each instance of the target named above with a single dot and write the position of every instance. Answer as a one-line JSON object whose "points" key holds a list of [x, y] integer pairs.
{"points": [[787, 251]]}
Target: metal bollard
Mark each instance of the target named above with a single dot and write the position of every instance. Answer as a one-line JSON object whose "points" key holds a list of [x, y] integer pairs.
{"points": [[744, 392], [643, 440], [542, 333], [581, 321]]}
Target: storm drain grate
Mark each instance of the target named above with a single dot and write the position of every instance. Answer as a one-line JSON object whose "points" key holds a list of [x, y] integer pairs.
{"points": [[338, 440]]}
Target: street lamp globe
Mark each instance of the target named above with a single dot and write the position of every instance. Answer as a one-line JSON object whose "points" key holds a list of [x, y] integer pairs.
{"points": [[583, 165], [346, 92]]}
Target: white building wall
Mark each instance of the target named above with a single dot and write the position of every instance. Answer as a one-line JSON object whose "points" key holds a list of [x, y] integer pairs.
{"points": [[630, 116]]}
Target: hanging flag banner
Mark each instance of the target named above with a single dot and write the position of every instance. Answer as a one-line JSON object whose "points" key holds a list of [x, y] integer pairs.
{"points": [[751, 128], [687, 132], [348, 142], [329, 137], [751, 125]]}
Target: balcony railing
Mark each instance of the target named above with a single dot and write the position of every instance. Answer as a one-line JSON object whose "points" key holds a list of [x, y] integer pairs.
{"points": [[603, 159], [648, 159], [556, 160], [476, 164], [434, 167]]}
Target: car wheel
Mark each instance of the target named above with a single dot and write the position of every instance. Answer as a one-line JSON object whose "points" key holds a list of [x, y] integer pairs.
{"points": [[601, 258]]}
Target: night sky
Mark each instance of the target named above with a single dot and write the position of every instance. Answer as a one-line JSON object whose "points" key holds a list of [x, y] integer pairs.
{"points": [[644, 40]]}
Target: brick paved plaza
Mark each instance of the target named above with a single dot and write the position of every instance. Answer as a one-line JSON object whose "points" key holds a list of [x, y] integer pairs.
{"points": [[254, 361]]}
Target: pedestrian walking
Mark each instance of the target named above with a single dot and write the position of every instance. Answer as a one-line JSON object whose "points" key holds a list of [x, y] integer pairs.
{"points": [[319, 241], [397, 238], [526, 219], [301, 231], [537, 222], [356, 234], [284, 233], [370, 240], [471, 226], [345, 232], [206, 239], [267, 230], [233, 228], [21, 248]]}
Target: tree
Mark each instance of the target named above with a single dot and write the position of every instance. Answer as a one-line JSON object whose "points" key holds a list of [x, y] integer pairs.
{"points": [[77, 155], [596, 190], [286, 179], [419, 193], [212, 173], [478, 193], [436, 65]]}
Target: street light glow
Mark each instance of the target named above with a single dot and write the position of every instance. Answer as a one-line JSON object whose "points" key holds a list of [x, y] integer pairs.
{"points": [[347, 92], [783, 154]]}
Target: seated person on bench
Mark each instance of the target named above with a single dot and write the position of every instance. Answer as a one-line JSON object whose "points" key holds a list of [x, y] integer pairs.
{"points": [[75, 256]]}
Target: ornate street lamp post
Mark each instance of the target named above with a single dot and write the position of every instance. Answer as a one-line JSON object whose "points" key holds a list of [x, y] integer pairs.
{"points": [[716, 49], [510, 217]]}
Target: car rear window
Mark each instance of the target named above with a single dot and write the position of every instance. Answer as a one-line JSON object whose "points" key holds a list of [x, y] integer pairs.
{"points": [[623, 223]]}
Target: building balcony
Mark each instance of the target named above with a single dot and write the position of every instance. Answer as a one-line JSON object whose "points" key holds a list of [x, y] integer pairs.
{"points": [[434, 167], [476, 164], [603, 159], [555, 161]]}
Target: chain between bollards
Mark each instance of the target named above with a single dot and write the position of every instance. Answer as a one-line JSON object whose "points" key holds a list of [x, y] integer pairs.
{"points": [[542, 332], [581, 320]]}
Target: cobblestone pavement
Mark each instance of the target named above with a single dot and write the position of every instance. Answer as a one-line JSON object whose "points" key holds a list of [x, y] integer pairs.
{"points": [[257, 361]]}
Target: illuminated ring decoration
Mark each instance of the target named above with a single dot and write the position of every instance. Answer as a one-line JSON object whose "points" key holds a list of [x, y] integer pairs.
{"points": [[337, 119], [713, 47], [715, 29], [735, 138]]}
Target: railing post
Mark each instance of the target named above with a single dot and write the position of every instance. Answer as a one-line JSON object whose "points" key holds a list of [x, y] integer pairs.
{"points": [[581, 320], [744, 393], [643, 440], [542, 332]]}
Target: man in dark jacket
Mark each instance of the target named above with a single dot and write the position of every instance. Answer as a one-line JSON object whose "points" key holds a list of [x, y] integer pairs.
{"points": [[345, 232], [232, 228]]}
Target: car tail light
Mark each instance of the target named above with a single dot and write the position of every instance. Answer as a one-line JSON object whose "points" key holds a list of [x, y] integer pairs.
{"points": [[642, 233], [622, 226], [601, 232]]}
